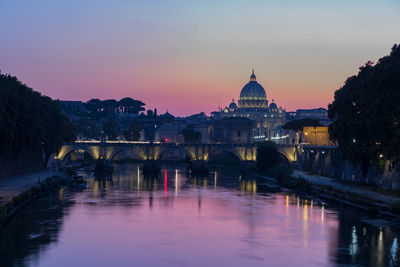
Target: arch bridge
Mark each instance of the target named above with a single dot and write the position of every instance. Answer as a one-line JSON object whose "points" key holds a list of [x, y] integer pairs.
{"points": [[145, 151]]}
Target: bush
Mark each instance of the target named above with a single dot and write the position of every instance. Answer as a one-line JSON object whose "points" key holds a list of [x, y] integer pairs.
{"points": [[301, 184], [280, 173]]}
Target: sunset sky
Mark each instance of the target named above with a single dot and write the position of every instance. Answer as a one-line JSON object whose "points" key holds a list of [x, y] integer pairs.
{"points": [[187, 56]]}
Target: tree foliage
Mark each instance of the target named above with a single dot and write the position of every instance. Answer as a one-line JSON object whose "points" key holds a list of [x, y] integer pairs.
{"points": [[366, 113], [133, 132], [100, 109], [149, 112], [89, 129], [129, 105], [29, 121], [267, 156], [297, 125], [190, 135], [110, 130]]}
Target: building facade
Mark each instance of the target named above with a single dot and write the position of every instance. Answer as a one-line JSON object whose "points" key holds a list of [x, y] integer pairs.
{"points": [[253, 105], [317, 136], [232, 130], [316, 113]]}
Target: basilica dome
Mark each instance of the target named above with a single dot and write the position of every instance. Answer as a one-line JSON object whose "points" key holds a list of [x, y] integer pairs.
{"points": [[233, 105], [253, 95], [253, 90], [273, 107]]}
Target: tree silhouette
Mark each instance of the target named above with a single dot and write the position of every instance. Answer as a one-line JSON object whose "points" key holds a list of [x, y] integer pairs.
{"points": [[110, 129], [190, 135], [267, 156], [29, 121], [129, 105], [366, 113], [133, 132]]}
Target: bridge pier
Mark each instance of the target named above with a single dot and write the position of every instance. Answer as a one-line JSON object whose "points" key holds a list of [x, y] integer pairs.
{"points": [[151, 166], [247, 165], [199, 166], [103, 167]]}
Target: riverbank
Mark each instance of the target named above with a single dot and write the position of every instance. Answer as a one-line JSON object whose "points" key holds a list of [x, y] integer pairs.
{"points": [[9, 207], [378, 198], [12, 185], [353, 195]]}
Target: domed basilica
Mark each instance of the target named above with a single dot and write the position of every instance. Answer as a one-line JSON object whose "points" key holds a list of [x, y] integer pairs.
{"points": [[253, 104]]}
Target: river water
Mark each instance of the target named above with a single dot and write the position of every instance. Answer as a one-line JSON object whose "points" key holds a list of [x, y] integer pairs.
{"points": [[220, 219]]}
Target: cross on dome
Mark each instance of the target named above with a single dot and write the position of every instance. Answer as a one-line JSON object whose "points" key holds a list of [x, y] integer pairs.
{"points": [[253, 76]]}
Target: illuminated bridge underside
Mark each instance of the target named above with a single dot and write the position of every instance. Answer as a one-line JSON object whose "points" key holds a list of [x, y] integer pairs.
{"points": [[156, 151]]}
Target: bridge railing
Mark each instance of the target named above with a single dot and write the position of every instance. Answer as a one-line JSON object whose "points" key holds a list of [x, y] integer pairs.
{"points": [[114, 142], [156, 142], [172, 144]]}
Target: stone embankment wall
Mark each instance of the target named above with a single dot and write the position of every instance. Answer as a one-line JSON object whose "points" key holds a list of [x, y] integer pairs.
{"points": [[8, 209], [29, 161], [328, 161]]}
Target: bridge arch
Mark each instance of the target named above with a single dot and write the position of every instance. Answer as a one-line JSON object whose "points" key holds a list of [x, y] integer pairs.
{"points": [[64, 154], [196, 152], [134, 153], [224, 150], [285, 159], [289, 153], [165, 151]]}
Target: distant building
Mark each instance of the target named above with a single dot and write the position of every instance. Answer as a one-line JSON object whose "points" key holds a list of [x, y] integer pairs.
{"points": [[170, 132], [253, 105], [232, 130], [166, 118], [197, 118], [290, 115], [317, 136], [316, 113]]}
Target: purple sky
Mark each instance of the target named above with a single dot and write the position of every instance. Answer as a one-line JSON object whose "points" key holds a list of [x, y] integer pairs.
{"points": [[187, 57]]}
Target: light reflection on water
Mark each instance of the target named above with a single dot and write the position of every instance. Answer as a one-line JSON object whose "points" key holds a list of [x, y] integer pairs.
{"points": [[174, 220]]}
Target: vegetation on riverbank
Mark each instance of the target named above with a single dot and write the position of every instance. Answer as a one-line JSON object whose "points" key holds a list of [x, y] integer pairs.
{"points": [[373, 208], [364, 202], [8, 209], [29, 121], [366, 114], [270, 164], [267, 156], [282, 174]]}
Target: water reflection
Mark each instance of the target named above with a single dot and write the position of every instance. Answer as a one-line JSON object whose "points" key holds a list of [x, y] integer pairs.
{"points": [[366, 245], [223, 218], [22, 242]]}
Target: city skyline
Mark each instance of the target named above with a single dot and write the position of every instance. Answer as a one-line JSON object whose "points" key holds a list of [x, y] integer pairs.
{"points": [[187, 57], [199, 133]]}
